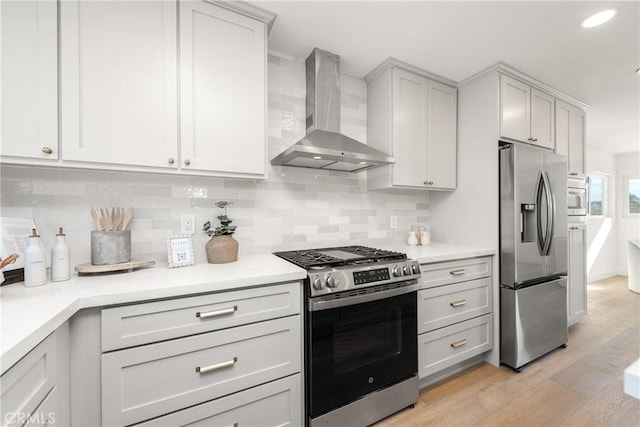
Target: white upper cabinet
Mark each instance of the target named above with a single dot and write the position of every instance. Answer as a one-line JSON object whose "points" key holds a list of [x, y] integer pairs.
{"points": [[542, 119], [413, 118], [570, 136], [119, 82], [442, 135], [527, 114], [223, 91], [29, 35]]}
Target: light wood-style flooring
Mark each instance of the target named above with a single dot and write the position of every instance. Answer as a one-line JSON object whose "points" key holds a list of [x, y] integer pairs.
{"points": [[581, 385]]}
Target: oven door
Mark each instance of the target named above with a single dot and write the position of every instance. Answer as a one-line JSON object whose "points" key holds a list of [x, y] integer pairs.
{"points": [[356, 349]]}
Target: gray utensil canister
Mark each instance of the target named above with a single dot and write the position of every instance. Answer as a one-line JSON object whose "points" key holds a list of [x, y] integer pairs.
{"points": [[110, 247]]}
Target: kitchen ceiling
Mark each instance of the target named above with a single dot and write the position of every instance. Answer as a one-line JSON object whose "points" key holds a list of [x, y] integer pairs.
{"points": [[455, 39]]}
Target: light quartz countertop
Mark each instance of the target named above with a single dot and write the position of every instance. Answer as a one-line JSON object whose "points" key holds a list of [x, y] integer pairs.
{"points": [[436, 252], [29, 315]]}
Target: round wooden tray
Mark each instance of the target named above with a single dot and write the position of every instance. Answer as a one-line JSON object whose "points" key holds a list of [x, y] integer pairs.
{"points": [[131, 265]]}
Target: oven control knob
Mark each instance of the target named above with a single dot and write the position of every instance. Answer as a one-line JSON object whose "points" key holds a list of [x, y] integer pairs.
{"points": [[331, 282], [317, 284], [396, 272], [414, 269], [405, 270]]}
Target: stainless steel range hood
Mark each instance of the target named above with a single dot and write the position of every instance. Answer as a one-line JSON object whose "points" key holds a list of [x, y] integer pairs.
{"points": [[324, 147]]}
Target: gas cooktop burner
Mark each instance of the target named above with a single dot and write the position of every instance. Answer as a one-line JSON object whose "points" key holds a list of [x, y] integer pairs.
{"points": [[339, 256]]}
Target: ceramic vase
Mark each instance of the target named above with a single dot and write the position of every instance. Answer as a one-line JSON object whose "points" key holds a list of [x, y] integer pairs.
{"points": [[222, 249]]}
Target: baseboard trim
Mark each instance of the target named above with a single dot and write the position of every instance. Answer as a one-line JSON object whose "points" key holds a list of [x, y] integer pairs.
{"points": [[601, 276]]}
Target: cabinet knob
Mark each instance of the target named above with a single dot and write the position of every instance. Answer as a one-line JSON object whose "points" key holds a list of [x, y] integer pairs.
{"points": [[530, 139], [187, 162], [535, 139], [573, 173], [47, 150], [428, 183], [170, 160]]}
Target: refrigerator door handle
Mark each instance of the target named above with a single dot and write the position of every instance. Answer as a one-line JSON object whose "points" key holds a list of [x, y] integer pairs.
{"points": [[541, 241], [551, 213]]}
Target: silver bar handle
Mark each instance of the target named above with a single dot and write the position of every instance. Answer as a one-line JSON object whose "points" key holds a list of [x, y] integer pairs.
{"points": [[551, 214], [216, 313], [541, 238], [206, 369], [459, 343], [458, 303], [457, 272]]}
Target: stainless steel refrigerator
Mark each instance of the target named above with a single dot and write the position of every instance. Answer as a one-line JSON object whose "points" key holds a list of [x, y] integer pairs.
{"points": [[533, 253]]}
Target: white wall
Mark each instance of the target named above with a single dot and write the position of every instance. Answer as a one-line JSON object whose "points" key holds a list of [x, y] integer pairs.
{"points": [[601, 231], [627, 227]]}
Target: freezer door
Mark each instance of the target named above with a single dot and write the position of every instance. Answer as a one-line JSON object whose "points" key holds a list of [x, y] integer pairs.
{"points": [[533, 321], [555, 168], [520, 259]]}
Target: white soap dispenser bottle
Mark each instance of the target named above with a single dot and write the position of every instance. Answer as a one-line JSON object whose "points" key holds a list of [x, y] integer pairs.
{"points": [[60, 259], [35, 268]]}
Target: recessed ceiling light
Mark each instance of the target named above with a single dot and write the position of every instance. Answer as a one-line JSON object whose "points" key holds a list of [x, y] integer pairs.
{"points": [[317, 158], [598, 19]]}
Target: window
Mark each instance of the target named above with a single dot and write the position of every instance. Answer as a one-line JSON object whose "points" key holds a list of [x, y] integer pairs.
{"points": [[632, 197], [598, 195]]}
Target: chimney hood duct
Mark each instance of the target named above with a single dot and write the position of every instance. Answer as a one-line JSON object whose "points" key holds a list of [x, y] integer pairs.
{"points": [[324, 147]]}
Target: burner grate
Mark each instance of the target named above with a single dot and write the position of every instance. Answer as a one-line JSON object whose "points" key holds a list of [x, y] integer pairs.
{"points": [[318, 258]]}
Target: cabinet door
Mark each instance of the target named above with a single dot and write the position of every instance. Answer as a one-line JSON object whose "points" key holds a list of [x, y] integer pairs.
{"points": [[29, 35], [223, 90], [562, 119], [410, 129], [577, 288], [441, 129], [570, 129], [542, 118], [576, 162], [515, 104], [119, 81], [24, 386]]}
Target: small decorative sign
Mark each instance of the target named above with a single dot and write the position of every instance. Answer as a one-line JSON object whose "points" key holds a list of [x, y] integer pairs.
{"points": [[180, 251]]}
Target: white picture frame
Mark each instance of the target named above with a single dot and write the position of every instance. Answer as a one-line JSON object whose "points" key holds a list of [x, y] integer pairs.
{"points": [[180, 251]]}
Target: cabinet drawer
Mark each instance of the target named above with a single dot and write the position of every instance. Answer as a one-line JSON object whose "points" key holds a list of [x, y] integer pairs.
{"points": [[443, 273], [152, 380], [138, 324], [445, 347], [278, 403], [445, 305], [26, 383]]}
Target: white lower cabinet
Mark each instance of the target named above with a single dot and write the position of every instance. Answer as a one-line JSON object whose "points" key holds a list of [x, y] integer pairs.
{"points": [[276, 403], [447, 346], [577, 273], [35, 391], [253, 338], [454, 314]]}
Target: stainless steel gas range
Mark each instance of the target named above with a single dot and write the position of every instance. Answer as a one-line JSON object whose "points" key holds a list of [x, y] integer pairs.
{"points": [[361, 356]]}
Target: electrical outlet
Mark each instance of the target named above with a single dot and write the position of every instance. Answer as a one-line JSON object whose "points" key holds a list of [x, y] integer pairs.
{"points": [[187, 224], [393, 222]]}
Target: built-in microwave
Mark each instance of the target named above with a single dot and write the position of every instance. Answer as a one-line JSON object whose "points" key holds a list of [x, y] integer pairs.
{"points": [[577, 196]]}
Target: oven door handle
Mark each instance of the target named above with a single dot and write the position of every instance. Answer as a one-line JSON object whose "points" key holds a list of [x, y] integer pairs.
{"points": [[325, 304]]}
